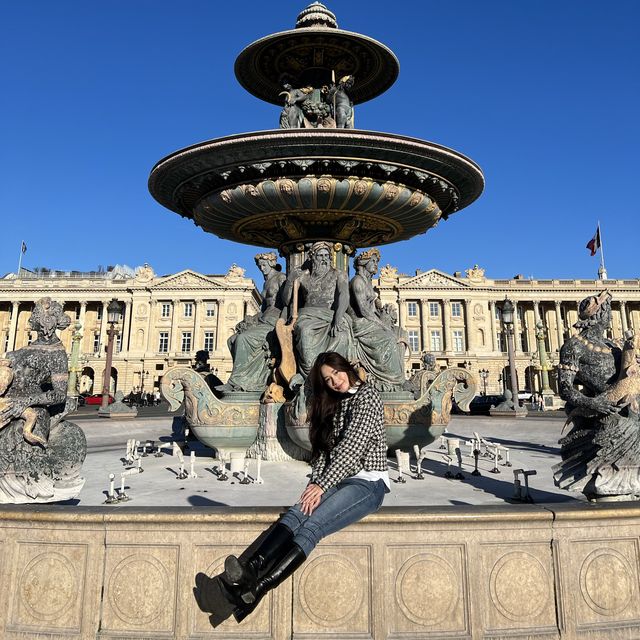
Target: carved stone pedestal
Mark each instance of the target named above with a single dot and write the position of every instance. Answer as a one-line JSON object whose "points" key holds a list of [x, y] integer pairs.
{"points": [[272, 441]]}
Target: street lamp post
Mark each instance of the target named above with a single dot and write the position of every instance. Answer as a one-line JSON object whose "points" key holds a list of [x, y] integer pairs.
{"points": [[532, 386], [75, 367], [143, 375], [114, 313], [484, 375], [507, 319], [545, 367]]}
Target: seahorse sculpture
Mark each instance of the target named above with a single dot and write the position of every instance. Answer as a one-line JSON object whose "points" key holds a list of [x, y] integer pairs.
{"points": [[181, 385], [449, 385]]}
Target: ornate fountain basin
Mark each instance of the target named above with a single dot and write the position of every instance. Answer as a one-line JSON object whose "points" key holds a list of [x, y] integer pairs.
{"points": [[222, 425], [408, 422], [284, 187]]}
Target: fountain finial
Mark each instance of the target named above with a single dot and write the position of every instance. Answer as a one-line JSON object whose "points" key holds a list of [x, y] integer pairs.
{"points": [[315, 16]]}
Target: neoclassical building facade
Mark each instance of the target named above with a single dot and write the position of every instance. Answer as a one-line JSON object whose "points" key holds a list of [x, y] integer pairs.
{"points": [[166, 319], [458, 318]]}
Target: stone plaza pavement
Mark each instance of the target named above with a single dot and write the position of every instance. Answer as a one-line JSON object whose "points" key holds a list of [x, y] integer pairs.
{"points": [[532, 442]]}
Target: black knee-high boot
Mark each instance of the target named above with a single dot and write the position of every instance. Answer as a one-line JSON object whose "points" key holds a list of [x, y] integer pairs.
{"points": [[241, 575], [280, 571]]}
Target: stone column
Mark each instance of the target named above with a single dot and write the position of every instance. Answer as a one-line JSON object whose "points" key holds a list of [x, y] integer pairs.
{"points": [[197, 312], [559, 325], [126, 326], [424, 311], [173, 340], [402, 313], [623, 316], [149, 345], [83, 313], [494, 329], [103, 327], [536, 311], [446, 324], [517, 341], [530, 323], [219, 336], [470, 338], [83, 316], [11, 345]]}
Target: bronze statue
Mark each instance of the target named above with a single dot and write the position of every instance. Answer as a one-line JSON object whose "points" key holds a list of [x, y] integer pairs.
{"points": [[327, 107], [338, 96], [322, 323], [254, 345], [292, 116], [375, 342], [601, 452], [40, 455]]}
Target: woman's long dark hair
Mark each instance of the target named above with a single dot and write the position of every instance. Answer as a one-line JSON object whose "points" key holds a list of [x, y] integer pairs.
{"points": [[324, 401]]}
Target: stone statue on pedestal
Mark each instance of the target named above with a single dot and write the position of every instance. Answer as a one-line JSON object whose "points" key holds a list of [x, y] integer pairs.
{"points": [[601, 452], [40, 454]]}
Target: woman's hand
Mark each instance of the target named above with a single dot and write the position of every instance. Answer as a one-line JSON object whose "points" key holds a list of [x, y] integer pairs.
{"points": [[310, 498]]}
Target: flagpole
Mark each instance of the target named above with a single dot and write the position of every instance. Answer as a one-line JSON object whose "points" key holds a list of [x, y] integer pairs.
{"points": [[603, 270], [20, 260]]}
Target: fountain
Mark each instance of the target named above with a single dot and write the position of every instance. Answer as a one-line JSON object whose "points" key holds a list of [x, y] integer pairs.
{"points": [[317, 189]]}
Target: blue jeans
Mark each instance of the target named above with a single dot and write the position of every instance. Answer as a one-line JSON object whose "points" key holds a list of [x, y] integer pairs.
{"points": [[347, 502]]}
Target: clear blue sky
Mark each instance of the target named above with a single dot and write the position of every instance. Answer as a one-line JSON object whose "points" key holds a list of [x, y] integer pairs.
{"points": [[542, 94]]}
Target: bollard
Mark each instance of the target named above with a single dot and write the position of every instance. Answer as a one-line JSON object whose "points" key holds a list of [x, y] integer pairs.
{"points": [[476, 456], [192, 460], [259, 479], [111, 494]]}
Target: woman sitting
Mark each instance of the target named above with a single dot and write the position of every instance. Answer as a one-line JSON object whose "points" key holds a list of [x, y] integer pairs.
{"points": [[348, 481]]}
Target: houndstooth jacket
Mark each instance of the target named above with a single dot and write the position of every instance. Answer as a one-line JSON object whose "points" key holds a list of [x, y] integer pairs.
{"points": [[360, 440]]}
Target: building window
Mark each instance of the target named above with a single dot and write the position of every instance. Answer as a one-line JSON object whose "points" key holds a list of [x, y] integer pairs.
{"points": [[412, 309], [188, 309], [99, 313], [165, 310], [77, 313], [456, 310], [414, 342], [436, 340], [434, 309], [498, 312], [458, 341], [209, 339], [96, 342], [502, 343], [163, 343], [186, 342], [118, 343], [210, 310]]}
